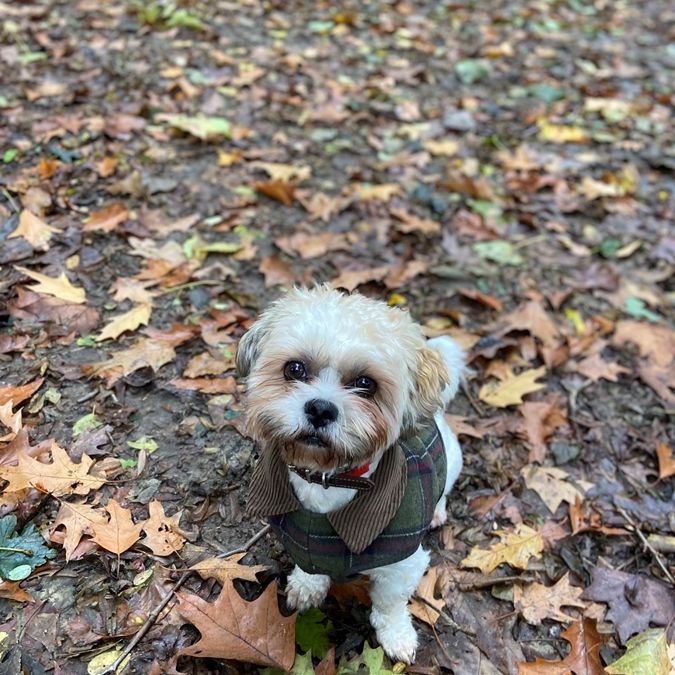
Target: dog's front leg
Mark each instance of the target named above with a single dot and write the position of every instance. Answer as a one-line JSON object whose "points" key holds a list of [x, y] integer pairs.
{"points": [[306, 590], [391, 588]]}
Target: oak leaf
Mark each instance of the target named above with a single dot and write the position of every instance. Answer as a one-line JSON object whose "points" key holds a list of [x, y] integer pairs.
{"points": [[550, 484], [312, 245], [205, 364], [666, 460], [119, 533], [352, 278], [162, 533], [412, 223], [322, 206], [10, 420], [78, 520], [540, 420], [226, 569], [60, 287], [284, 172], [107, 218], [19, 393], [511, 391], [583, 659], [131, 320], [594, 367], [533, 318], [34, 230], [276, 271], [60, 477], [126, 288], [537, 602], [515, 548], [657, 343], [428, 611], [647, 654], [231, 628], [216, 385]]}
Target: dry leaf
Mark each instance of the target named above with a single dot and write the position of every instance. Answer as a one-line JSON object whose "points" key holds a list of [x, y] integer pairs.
{"points": [[533, 318], [59, 286], [657, 343], [277, 189], [233, 629], [377, 192], [540, 420], [276, 271], [351, 279], [78, 520], [594, 367], [511, 391], [10, 590], [18, 394], [34, 230], [428, 611], [205, 364], [162, 532], [445, 148], [537, 602], [515, 548], [583, 659], [61, 477], [218, 385], [559, 133], [226, 569], [119, 533], [412, 223], [313, 245], [126, 288], [106, 219], [550, 484], [131, 320], [106, 167], [322, 206], [666, 460], [10, 420], [284, 172]]}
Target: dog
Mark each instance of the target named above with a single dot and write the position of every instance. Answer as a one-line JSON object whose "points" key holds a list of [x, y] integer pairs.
{"points": [[345, 398]]}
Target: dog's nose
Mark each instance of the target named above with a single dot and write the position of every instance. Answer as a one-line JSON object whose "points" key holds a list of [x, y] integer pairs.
{"points": [[320, 413]]}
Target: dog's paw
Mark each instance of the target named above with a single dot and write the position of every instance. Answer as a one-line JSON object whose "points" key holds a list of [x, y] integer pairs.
{"points": [[396, 635], [440, 517], [306, 590]]}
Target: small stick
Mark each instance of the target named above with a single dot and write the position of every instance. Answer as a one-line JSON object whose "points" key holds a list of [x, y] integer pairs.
{"points": [[662, 543], [647, 545], [110, 670]]}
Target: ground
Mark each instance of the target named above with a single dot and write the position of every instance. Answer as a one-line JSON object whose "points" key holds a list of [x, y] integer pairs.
{"points": [[502, 170]]}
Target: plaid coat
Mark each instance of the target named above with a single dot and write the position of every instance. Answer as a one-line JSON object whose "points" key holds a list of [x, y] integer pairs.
{"points": [[379, 527]]}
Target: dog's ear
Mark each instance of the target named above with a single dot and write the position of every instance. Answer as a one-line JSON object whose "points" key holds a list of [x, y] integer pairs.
{"points": [[248, 349], [430, 378]]}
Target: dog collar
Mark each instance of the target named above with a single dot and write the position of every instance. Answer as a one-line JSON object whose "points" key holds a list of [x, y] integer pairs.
{"points": [[349, 479]]}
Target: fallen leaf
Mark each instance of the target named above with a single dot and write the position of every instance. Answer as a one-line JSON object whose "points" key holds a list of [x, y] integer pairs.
{"points": [[19, 393], [657, 343], [377, 192], [119, 532], [135, 290], [540, 420], [666, 459], [279, 190], [583, 659], [10, 590], [533, 318], [59, 286], [511, 391], [227, 569], [107, 218], [560, 133], [412, 223], [200, 126], [131, 320], [428, 611], [218, 385], [233, 629], [284, 172], [322, 206], [60, 477], [515, 548], [353, 278], [646, 654], [635, 600], [537, 602], [594, 367], [445, 148], [276, 271], [10, 420], [78, 520], [482, 298], [162, 532], [34, 230], [313, 245], [550, 484], [205, 364], [106, 167]]}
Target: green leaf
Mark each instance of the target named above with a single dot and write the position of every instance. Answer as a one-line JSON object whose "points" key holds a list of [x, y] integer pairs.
{"points": [[86, 423], [637, 308], [86, 341], [321, 27], [609, 247], [303, 665], [181, 18], [498, 251], [647, 654], [370, 662], [311, 632], [143, 443], [21, 553], [128, 463], [472, 70], [546, 92], [9, 155], [202, 127]]}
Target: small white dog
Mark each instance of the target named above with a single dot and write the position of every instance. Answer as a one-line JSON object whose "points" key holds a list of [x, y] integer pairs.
{"points": [[346, 400]]}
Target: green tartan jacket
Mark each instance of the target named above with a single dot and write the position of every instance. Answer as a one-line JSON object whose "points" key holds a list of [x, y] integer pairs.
{"points": [[376, 528]]}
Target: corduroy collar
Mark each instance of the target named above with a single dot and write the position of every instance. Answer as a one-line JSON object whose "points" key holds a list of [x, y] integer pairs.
{"points": [[359, 522]]}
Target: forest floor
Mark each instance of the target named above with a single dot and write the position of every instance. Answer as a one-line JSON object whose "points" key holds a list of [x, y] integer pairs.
{"points": [[502, 170]]}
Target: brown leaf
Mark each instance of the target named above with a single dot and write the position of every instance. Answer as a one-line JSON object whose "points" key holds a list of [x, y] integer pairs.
{"points": [[594, 367], [399, 275], [312, 245], [584, 519], [666, 460], [428, 611], [18, 394], [482, 298], [550, 484], [226, 569], [119, 533], [540, 420], [276, 271], [126, 288], [412, 223], [10, 420], [511, 391], [106, 167], [59, 286], [78, 520], [61, 477], [351, 279], [537, 602], [583, 659], [657, 343], [533, 318], [162, 532], [382, 192], [224, 385], [34, 230], [478, 187], [233, 629], [107, 218], [131, 320], [205, 364], [322, 206], [515, 548], [10, 590], [279, 190]]}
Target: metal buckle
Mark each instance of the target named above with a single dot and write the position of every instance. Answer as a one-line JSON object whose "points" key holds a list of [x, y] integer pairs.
{"points": [[323, 480]]}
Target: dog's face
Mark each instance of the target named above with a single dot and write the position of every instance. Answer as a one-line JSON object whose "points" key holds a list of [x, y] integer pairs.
{"points": [[334, 379]]}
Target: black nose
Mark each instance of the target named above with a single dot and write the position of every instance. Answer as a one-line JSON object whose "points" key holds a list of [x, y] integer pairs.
{"points": [[320, 413]]}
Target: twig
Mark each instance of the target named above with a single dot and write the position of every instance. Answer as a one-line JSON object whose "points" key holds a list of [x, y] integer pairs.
{"points": [[191, 284], [647, 545], [445, 615], [466, 388], [167, 598]]}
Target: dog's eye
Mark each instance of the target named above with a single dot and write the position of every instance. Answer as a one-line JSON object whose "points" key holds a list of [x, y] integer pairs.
{"points": [[295, 370], [365, 386]]}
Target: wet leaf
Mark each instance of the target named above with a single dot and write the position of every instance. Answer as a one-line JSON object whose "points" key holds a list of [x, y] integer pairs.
{"points": [[227, 569], [162, 533], [312, 632], [21, 553], [119, 532]]}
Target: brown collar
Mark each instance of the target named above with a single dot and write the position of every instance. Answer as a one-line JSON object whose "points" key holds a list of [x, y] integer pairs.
{"points": [[347, 479], [271, 494]]}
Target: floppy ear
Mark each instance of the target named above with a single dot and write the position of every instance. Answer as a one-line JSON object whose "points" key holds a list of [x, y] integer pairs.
{"points": [[248, 349], [430, 379]]}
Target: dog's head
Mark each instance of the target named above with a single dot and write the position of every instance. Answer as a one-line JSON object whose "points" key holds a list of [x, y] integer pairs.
{"points": [[334, 379]]}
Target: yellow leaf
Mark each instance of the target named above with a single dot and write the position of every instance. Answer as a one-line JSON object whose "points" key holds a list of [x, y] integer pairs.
{"points": [[515, 548], [447, 147], [162, 532], [511, 391], [284, 172], [550, 484], [381, 193], [131, 320], [560, 133], [120, 532], [34, 230], [227, 569], [228, 158], [537, 602], [59, 287], [102, 662]]}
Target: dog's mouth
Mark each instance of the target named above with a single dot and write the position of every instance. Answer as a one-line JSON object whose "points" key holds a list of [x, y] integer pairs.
{"points": [[313, 440]]}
